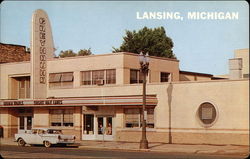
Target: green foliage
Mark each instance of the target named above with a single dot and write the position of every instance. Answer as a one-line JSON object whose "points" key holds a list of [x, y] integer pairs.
{"points": [[84, 52], [67, 53], [154, 41], [70, 53]]}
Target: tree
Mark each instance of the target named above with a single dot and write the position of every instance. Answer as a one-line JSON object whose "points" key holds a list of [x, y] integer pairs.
{"points": [[154, 41], [67, 53], [84, 52]]}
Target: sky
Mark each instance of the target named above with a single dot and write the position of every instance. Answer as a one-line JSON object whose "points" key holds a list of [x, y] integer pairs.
{"points": [[202, 45]]}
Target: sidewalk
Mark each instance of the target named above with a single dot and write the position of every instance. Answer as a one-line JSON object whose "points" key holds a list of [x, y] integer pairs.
{"points": [[157, 147]]}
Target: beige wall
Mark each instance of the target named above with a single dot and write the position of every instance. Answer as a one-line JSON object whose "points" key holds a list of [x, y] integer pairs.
{"points": [[9, 122], [231, 99], [11, 70]]}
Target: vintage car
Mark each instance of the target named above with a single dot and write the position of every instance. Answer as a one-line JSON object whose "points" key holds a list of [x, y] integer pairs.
{"points": [[44, 136]]}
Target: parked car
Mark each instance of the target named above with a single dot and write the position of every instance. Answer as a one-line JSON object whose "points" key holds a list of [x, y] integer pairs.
{"points": [[44, 136]]}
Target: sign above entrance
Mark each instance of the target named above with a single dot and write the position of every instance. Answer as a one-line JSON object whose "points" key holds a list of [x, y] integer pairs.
{"points": [[151, 100]]}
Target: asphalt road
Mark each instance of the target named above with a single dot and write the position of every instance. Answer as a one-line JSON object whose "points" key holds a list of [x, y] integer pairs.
{"points": [[8, 151]]}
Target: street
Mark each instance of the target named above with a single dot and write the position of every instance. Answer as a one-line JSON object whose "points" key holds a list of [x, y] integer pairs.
{"points": [[9, 151]]}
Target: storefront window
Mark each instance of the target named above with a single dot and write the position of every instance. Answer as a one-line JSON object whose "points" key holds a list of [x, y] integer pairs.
{"points": [[61, 117], [133, 117]]}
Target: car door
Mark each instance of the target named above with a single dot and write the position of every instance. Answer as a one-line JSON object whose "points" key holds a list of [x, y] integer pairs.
{"points": [[30, 138], [39, 136]]}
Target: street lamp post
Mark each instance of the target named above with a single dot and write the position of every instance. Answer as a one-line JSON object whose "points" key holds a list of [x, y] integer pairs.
{"points": [[144, 62]]}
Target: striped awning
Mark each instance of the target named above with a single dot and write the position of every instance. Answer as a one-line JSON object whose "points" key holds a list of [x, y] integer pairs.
{"points": [[151, 100]]}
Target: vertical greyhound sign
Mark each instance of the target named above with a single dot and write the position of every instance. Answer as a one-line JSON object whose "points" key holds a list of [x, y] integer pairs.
{"points": [[42, 48]]}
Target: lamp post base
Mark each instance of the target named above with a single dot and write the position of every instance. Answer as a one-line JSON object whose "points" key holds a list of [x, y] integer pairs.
{"points": [[144, 144]]}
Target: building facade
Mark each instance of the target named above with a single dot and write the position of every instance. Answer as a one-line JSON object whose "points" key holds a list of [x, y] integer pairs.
{"points": [[99, 97]]}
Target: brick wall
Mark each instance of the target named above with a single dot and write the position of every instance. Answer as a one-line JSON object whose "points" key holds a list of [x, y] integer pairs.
{"points": [[13, 53]]}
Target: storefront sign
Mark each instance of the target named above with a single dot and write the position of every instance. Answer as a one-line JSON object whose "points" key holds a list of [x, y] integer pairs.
{"points": [[42, 48], [91, 102], [37, 102]]}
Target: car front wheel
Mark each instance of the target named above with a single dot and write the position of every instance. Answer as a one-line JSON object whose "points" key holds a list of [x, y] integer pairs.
{"points": [[21, 142], [47, 144]]}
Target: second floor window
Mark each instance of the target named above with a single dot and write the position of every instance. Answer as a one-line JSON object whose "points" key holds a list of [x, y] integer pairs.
{"points": [[136, 76], [110, 77], [86, 78], [61, 80], [20, 87], [165, 77], [99, 77]]}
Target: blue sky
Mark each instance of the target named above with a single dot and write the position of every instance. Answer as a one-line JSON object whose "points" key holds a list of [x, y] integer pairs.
{"points": [[201, 45]]}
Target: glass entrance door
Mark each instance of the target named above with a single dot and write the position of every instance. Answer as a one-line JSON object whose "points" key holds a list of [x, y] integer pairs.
{"points": [[97, 127], [25, 124], [88, 127], [105, 128]]}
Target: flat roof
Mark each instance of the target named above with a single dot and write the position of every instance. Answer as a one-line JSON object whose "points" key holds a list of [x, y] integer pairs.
{"points": [[195, 73]]}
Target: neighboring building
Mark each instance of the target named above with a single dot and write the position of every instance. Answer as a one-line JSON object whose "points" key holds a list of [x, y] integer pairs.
{"points": [[13, 53], [238, 66], [194, 76]]}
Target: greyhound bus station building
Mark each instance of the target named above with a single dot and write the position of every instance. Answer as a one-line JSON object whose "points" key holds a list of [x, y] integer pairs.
{"points": [[99, 97], [86, 93]]}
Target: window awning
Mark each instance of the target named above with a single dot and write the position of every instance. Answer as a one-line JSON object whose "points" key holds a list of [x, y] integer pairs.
{"points": [[151, 100]]}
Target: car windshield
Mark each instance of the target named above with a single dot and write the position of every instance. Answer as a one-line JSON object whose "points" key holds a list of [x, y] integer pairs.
{"points": [[51, 131]]}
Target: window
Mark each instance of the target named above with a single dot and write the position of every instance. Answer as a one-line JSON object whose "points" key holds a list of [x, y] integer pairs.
{"points": [[133, 117], [86, 78], [61, 117], [88, 126], [99, 77], [110, 76], [207, 113], [61, 80], [20, 87], [165, 77], [245, 75], [136, 76]]}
